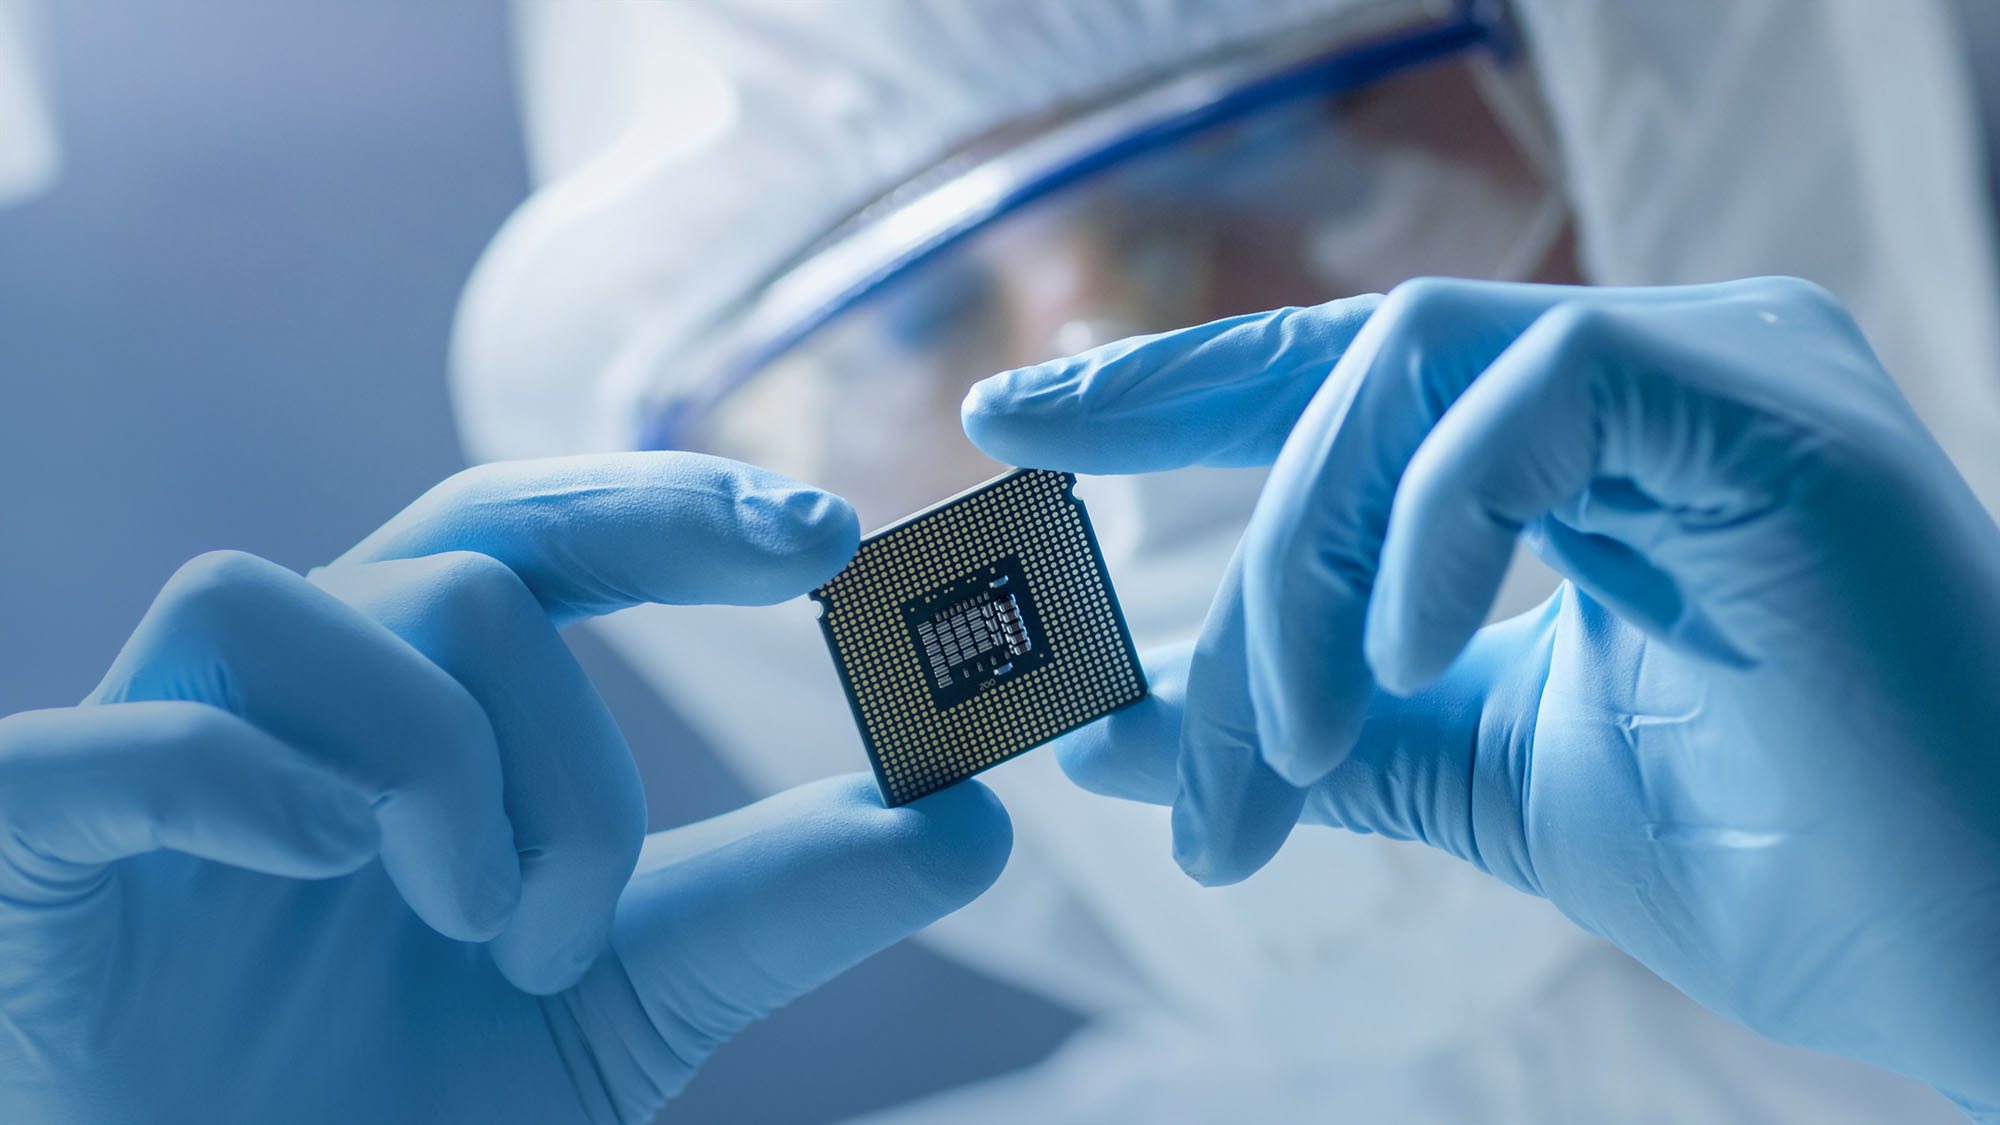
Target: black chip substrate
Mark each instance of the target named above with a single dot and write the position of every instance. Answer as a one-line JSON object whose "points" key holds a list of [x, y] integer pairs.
{"points": [[975, 630]]}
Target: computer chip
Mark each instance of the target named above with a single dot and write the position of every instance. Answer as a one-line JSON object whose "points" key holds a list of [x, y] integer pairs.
{"points": [[975, 630]]}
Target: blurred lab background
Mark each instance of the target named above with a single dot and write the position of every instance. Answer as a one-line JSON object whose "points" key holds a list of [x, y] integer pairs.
{"points": [[226, 327]]}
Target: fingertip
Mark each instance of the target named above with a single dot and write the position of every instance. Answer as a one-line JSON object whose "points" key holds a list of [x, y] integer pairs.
{"points": [[1196, 855], [485, 895], [1206, 876], [1304, 730], [1395, 668], [1296, 769], [560, 927], [983, 405], [1423, 614], [1190, 850], [1231, 819], [1233, 811], [570, 886], [542, 980], [958, 840], [482, 917], [984, 427], [545, 975], [788, 538], [1133, 754], [823, 530], [1099, 759], [1006, 416], [348, 832]]}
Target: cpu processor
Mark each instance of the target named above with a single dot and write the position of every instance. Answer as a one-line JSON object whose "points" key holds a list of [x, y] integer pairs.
{"points": [[975, 630]]}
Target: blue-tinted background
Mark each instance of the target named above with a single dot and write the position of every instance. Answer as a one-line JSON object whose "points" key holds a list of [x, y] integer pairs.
{"points": [[226, 327]]}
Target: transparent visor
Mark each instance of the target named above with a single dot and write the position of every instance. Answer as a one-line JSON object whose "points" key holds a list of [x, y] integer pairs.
{"points": [[1438, 168]]}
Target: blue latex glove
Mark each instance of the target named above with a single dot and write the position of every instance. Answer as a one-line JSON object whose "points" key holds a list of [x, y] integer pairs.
{"points": [[1754, 740], [349, 848]]}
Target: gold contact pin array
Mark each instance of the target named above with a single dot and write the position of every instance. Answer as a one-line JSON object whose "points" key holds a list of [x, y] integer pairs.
{"points": [[1011, 573]]}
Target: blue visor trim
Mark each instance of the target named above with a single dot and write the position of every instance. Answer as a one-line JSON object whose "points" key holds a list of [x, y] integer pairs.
{"points": [[1476, 24]]}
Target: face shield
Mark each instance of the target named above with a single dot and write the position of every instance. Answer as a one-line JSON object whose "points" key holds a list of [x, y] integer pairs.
{"points": [[1356, 153]]}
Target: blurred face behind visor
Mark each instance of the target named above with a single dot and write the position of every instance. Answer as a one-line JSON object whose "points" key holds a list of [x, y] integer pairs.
{"points": [[1421, 171], [801, 258]]}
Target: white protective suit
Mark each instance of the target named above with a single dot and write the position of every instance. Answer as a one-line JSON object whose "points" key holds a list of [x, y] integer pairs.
{"points": [[683, 151]]}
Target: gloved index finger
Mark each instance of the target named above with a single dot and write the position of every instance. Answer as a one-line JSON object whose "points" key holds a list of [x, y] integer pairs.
{"points": [[593, 534], [1224, 394], [1313, 545]]}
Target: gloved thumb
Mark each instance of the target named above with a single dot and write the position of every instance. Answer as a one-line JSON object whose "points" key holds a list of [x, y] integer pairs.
{"points": [[1445, 766], [731, 918]]}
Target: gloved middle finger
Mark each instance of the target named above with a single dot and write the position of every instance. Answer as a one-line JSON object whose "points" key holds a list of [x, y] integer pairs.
{"points": [[477, 573], [1232, 811], [237, 632], [571, 790], [1313, 543]]}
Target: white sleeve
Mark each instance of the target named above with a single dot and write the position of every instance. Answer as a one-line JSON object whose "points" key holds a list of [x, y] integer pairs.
{"points": [[1713, 139]]}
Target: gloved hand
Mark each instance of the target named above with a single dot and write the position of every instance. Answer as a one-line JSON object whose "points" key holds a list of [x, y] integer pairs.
{"points": [[349, 847], [1754, 740]]}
